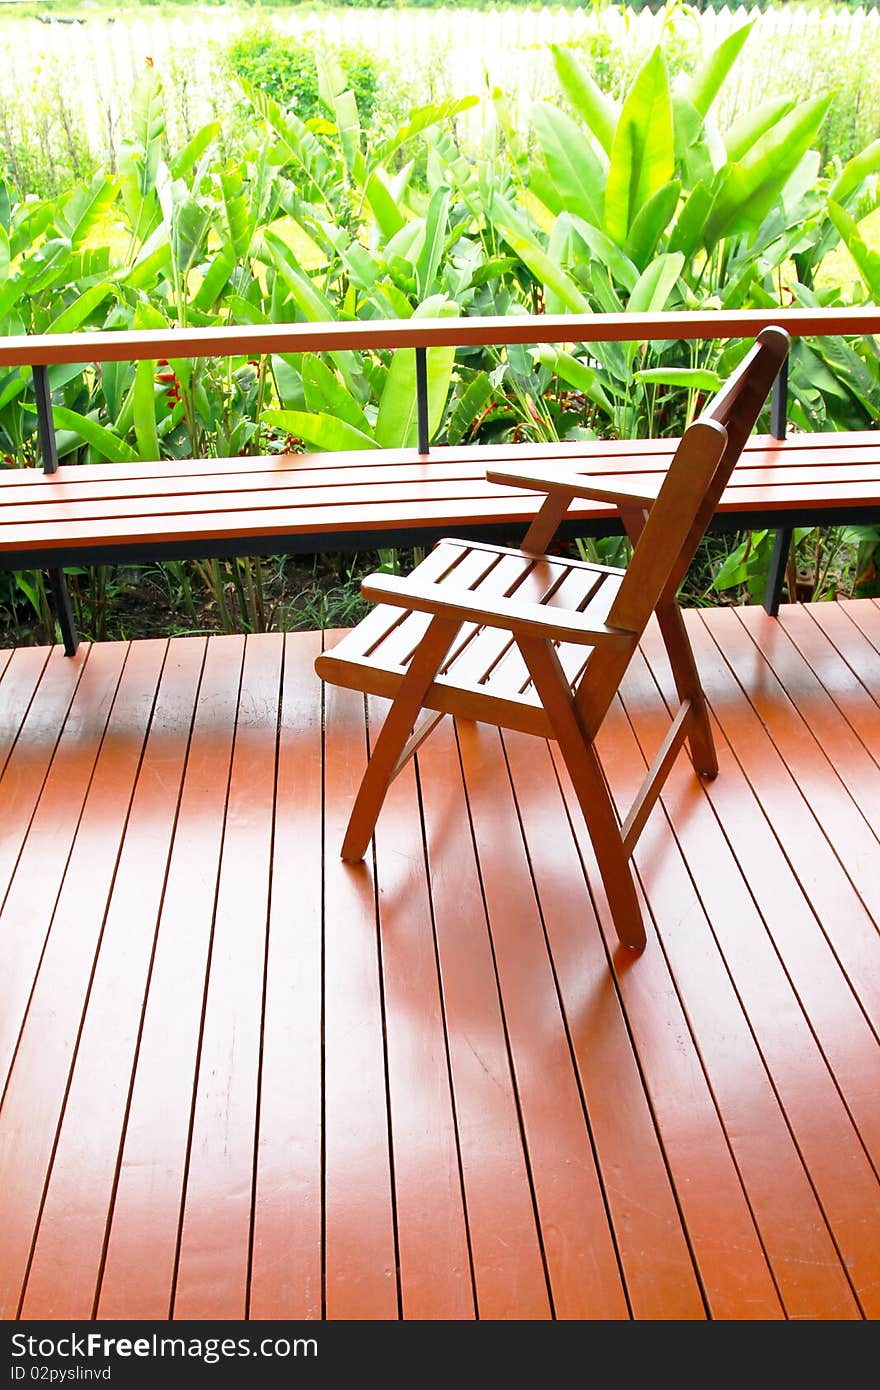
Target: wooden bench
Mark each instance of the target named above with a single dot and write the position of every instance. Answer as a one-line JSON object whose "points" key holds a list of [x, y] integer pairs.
{"points": [[122, 513]]}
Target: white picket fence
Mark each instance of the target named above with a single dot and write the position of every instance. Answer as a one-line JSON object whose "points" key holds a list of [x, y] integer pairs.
{"points": [[91, 65]]}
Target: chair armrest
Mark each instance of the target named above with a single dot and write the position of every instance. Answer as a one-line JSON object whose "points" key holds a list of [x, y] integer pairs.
{"points": [[630, 489], [529, 619]]}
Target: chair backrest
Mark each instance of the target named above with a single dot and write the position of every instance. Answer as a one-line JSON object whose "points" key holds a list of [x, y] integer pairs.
{"points": [[697, 477]]}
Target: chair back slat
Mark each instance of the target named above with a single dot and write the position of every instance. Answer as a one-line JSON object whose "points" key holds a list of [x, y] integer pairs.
{"points": [[697, 476]]}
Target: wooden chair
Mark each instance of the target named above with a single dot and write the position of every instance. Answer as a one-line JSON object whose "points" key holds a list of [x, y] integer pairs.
{"points": [[528, 641]]}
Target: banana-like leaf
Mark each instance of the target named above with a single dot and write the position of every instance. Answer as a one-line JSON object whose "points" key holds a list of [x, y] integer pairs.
{"points": [[743, 133], [687, 234], [651, 222], [689, 378], [4, 255], [76, 314], [643, 153], [573, 371], [469, 407], [145, 403], [87, 208], [216, 278], [193, 150], [597, 110], [317, 428], [656, 284], [238, 214], [385, 209], [348, 124], [747, 190], [855, 171], [325, 393], [867, 261], [147, 115], [544, 268], [435, 113], [703, 87], [576, 175], [436, 224], [102, 441], [608, 253], [397, 423]]}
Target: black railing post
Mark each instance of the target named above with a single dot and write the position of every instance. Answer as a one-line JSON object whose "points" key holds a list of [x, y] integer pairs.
{"points": [[49, 455], [422, 397], [782, 543], [45, 426]]}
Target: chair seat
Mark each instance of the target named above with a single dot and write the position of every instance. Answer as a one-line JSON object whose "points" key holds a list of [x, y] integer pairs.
{"points": [[484, 668]]}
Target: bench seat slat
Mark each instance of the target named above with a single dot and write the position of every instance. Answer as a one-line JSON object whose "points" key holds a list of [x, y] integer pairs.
{"points": [[141, 504]]}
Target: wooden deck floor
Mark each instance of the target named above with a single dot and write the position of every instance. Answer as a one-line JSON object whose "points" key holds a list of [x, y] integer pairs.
{"points": [[242, 1079]]}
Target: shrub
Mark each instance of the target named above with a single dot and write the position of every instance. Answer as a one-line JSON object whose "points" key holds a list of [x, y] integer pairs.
{"points": [[285, 68]]}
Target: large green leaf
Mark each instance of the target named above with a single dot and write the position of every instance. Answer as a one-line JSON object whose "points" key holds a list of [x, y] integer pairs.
{"points": [[656, 284], [643, 153], [435, 113], [87, 208], [436, 223], [867, 261], [596, 109], [576, 175], [238, 215], [145, 404], [748, 128], [703, 87], [574, 372], [855, 171], [102, 441], [397, 423], [377, 192], [748, 190], [651, 222], [608, 253], [4, 255], [147, 116], [321, 430], [325, 393], [544, 268], [75, 315], [193, 150]]}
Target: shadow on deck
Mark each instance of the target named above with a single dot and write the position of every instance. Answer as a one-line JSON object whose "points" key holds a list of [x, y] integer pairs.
{"points": [[243, 1079]]}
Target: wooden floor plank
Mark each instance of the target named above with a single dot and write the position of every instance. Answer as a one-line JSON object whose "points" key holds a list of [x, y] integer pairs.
{"points": [[360, 1239], [288, 1215], [845, 663], [805, 1263], [841, 1028], [66, 1263], [33, 718], [582, 1260], [829, 1144], [214, 1256], [20, 679], [35, 1095], [657, 1263], [845, 921], [811, 746], [722, 1232], [138, 1273], [505, 1250], [26, 916], [435, 1275]]}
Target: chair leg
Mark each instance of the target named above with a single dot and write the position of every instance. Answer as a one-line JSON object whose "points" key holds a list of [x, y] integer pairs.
{"points": [[386, 758], [689, 687], [590, 787]]}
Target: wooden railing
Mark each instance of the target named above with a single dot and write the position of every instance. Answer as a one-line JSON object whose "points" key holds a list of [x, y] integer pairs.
{"points": [[40, 351]]}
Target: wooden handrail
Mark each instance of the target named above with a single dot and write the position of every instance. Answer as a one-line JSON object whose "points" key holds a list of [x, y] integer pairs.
{"points": [[46, 349]]}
